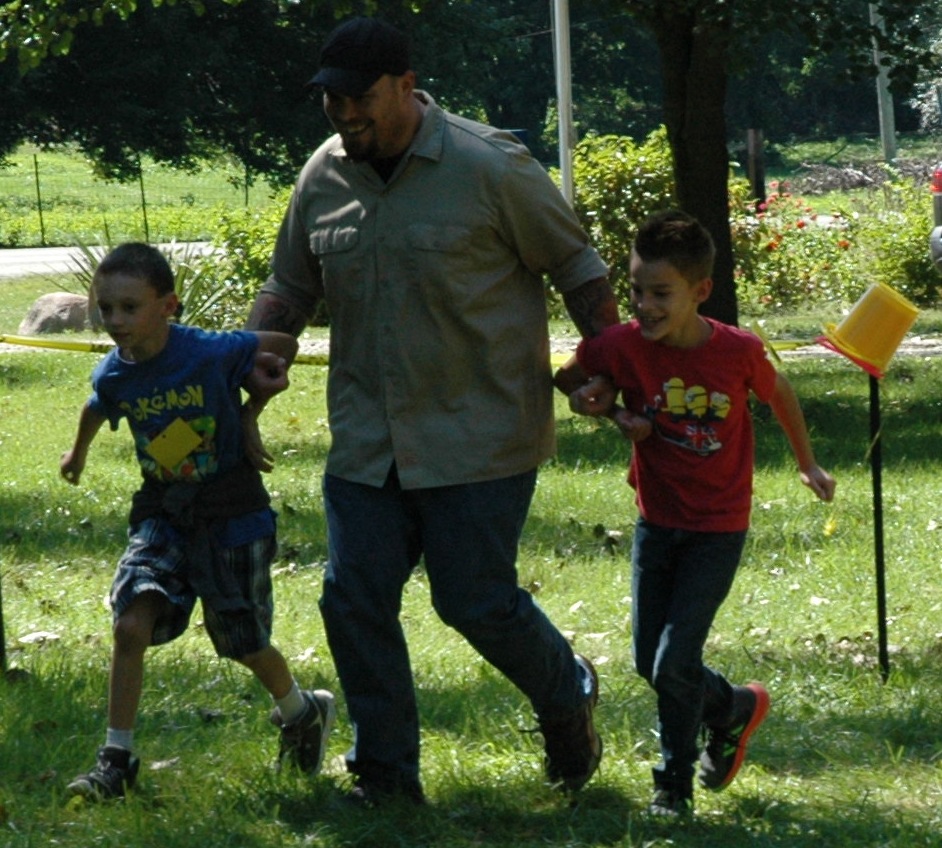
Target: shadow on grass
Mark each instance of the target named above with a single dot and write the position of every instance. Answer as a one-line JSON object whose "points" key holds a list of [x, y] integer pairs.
{"points": [[208, 722]]}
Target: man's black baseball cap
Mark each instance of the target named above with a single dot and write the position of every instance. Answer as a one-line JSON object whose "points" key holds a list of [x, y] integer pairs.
{"points": [[359, 52]]}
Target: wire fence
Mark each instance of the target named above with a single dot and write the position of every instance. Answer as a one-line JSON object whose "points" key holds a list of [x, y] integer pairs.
{"points": [[56, 198]]}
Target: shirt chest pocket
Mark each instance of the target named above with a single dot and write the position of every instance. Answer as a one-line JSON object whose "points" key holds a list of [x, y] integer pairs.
{"points": [[440, 260], [439, 239], [342, 264]]}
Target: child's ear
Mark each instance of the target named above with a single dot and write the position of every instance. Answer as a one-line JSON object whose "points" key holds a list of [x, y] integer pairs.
{"points": [[703, 289], [171, 305]]}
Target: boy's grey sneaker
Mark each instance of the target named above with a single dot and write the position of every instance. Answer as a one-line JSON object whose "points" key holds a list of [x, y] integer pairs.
{"points": [[304, 741], [725, 747], [671, 803], [113, 774], [573, 748]]}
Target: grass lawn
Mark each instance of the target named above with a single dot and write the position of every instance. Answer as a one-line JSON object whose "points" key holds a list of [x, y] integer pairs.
{"points": [[844, 758]]}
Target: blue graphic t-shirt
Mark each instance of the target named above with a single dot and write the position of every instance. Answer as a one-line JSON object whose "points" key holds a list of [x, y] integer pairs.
{"points": [[183, 409], [182, 406]]}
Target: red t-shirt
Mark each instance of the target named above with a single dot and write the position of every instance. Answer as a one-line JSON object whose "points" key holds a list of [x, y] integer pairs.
{"points": [[694, 472]]}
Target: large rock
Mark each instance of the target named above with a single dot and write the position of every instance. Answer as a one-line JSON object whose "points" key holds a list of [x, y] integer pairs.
{"points": [[56, 313]]}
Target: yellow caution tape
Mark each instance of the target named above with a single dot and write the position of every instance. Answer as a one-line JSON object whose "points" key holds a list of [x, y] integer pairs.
{"points": [[556, 359]]}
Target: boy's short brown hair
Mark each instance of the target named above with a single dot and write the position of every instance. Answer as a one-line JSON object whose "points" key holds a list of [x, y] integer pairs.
{"points": [[680, 239], [139, 260]]}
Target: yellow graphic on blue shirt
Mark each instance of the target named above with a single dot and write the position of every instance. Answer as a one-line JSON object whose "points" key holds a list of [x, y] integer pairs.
{"points": [[160, 402], [696, 409], [182, 451]]}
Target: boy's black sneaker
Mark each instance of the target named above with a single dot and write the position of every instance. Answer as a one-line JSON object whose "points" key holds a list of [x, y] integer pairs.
{"points": [[672, 803], [113, 774], [725, 747], [573, 748], [304, 741]]}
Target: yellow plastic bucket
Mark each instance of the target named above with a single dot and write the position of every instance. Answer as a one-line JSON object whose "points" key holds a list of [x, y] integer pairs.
{"points": [[873, 329]]}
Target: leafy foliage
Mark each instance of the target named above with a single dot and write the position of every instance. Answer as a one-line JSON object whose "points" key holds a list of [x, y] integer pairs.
{"points": [[244, 240], [180, 86], [618, 184], [207, 299], [895, 236], [703, 43], [791, 257], [41, 29], [787, 255]]}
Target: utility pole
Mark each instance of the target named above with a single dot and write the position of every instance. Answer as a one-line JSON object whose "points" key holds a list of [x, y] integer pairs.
{"points": [[559, 12], [884, 98]]}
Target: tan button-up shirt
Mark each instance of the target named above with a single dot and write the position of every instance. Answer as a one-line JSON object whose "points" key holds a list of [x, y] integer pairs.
{"points": [[434, 282]]}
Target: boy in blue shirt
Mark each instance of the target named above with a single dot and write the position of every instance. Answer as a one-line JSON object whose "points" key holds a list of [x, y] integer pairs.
{"points": [[200, 524]]}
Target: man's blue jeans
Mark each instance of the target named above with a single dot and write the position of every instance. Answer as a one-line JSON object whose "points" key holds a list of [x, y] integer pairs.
{"points": [[468, 536], [679, 580]]}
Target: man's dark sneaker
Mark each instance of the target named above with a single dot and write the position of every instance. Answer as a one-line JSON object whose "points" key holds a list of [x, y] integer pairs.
{"points": [[573, 748], [304, 741], [725, 747], [113, 774], [372, 792], [672, 802]]}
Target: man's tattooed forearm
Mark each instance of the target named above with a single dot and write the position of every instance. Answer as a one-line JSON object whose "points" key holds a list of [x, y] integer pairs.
{"points": [[592, 307], [273, 313]]}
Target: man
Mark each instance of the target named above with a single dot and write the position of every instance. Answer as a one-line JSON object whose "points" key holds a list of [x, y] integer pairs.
{"points": [[428, 236]]}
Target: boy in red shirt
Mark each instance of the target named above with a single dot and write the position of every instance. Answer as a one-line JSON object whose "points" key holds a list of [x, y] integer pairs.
{"points": [[685, 381]]}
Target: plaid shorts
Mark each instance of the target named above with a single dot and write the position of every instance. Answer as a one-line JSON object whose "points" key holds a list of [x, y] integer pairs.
{"points": [[155, 561]]}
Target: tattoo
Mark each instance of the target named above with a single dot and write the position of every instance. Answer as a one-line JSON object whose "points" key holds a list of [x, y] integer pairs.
{"points": [[270, 312], [592, 307]]}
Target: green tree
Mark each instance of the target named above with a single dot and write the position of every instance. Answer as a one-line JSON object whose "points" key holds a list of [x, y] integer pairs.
{"points": [[180, 78], [178, 82], [177, 79], [702, 43]]}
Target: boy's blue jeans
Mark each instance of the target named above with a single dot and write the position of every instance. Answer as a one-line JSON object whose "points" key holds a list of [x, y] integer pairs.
{"points": [[468, 536], [679, 580]]}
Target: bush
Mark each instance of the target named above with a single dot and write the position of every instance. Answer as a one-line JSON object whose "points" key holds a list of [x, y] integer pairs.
{"points": [[219, 287], [245, 239], [788, 256], [617, 185], [894, 235]]}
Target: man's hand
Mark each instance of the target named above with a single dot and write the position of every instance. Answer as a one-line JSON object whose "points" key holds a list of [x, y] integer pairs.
{"points": [[597, 397]]}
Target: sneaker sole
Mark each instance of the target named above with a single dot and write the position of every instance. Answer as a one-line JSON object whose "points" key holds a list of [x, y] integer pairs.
{"points": [[92, 790], [330, 714], [758, 716]]}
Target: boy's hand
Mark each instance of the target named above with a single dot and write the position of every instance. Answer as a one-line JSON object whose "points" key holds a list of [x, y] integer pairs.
{"points": [[596, 397], [71, 467], [633, 427], [819, 481], [268, 377]]}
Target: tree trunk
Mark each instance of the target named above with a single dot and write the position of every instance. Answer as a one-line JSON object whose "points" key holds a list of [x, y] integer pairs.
{"points": [[694, 60]]}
